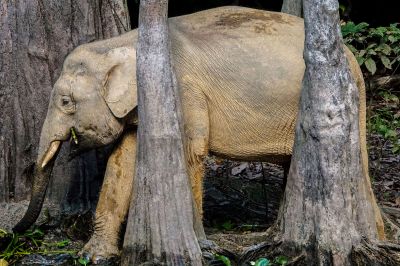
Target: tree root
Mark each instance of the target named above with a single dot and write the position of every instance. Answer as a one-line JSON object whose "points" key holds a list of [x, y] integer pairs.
{"points": [[392, 228], [210, 249], [259, 250], [366, 253], [270, 246], [374, 254]]}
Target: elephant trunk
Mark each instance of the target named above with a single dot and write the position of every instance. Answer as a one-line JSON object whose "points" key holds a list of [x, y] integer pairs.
{"points": [[42, 172]]}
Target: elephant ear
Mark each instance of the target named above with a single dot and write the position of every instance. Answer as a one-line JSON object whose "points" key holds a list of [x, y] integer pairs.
{"points": [[119, 86]]}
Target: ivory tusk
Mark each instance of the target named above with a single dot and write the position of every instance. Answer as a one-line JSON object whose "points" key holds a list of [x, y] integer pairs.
{"points": [[51, 152]]}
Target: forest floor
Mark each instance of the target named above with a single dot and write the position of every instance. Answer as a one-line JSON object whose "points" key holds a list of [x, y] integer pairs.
{"points": [[241, 201], [235, 228]]}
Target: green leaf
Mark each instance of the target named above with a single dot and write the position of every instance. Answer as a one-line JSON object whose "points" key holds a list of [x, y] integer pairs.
{"points": [[394, 98], [382, 129], [224, 259], [228, 225], [281, 260], [392, 38], [384, 48], [63, 243], [3, 233], [352, 48], [390, 134], [342, 8], [361, 53], [380, 31], [371, 66], [83, 261], [262, 262], [35, 233], [348, 28], [361, 39], [372, 45], [360, 60], [386, 62], [362, 26]]}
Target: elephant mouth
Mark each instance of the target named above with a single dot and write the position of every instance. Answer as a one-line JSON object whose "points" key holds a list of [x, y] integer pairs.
{"points": [[76, 150], [85, 144]]}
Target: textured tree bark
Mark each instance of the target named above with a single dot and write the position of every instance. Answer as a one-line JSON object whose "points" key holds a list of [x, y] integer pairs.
{"points": [[325, 204], [293, 7], [35, 37], [327, 216], [160, 227], [326, 211]]}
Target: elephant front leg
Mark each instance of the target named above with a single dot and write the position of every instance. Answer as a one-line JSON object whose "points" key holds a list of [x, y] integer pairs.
{"points": [[113, 202]]}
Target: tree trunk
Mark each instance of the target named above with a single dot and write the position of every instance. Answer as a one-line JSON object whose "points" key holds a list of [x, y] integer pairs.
{"points": [[35, 37], [293, 7], [160, 227], [325, 208], [326, 211], [327, 216]]}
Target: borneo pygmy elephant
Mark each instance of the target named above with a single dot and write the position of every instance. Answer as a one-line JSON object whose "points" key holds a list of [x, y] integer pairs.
{"points": [[239, 72]]}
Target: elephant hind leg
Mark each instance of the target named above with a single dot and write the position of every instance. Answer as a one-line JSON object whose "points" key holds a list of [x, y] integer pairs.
{"points": [[196, 153], [196, 132]]}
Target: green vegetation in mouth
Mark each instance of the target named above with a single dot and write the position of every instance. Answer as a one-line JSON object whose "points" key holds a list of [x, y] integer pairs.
{"points": [[73, 136]]}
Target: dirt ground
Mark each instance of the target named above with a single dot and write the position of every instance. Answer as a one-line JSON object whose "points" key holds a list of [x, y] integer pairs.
{"points": [[384, 169]]}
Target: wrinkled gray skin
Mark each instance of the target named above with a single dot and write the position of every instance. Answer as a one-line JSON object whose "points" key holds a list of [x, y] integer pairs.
{"points": [[239, 72]]}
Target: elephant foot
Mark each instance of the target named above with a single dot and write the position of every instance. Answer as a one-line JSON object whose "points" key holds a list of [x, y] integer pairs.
{"points": [[100, 251]]}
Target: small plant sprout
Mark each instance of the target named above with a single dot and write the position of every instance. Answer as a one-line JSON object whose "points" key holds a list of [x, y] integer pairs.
{"points": [[83, 261], [73, 136], [223, 259]]}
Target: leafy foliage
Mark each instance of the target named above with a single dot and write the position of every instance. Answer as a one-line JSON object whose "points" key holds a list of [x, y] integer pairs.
{"points": [[227, 225], [223, 259], [281, 260], [378, 53], [15, 246], [83, 261], [385, 119], [374, 48]]}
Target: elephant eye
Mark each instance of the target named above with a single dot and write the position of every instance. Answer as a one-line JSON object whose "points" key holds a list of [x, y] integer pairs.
{"points": [[65, 101], [67, 104]]}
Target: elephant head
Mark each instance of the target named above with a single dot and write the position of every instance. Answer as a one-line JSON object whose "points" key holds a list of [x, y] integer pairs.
{"points": [[91, 102]]}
